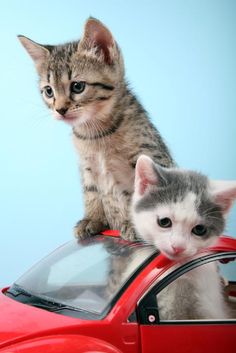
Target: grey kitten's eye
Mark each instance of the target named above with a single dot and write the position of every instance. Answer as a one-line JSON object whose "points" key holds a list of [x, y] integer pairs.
{"points": [[77, 87], [164, 222], [48, 91], [199, 230]]}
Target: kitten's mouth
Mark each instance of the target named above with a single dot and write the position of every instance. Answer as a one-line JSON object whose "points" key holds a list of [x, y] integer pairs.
{"points": [[178, 257], [68, 119], [173, 256]]}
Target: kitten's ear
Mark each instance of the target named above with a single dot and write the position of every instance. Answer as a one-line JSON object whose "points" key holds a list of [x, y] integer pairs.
{"points": [[97, 36], [145, 174], [37, 51], [224, 193]]}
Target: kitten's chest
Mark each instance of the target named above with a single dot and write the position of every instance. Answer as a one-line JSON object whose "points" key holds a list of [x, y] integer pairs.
{"points": [[106, 165], [111, 172]]}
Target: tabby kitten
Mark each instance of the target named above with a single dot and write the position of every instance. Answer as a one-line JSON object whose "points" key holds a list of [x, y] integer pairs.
{"points": [[83, 84], [181, 212]]}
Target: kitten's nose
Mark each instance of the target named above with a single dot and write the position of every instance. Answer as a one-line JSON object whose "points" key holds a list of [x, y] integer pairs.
{"points": [[62, 111], [178, 250]]}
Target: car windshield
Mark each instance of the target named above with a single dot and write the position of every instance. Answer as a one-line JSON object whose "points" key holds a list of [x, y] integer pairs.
{"points": [[86, 275]]}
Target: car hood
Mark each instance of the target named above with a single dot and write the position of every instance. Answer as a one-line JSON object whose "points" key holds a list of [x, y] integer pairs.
{"points": [[19, 322]]}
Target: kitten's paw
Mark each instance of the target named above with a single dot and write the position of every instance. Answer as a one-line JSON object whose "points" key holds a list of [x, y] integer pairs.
{"points": [[87, 227], [127, 232]]}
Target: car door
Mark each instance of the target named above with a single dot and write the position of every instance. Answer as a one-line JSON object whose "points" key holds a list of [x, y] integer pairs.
{"points": [[181, 335]]}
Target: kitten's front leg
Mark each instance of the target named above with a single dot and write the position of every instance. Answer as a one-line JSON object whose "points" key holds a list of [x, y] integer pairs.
{"points": [[94, 220], [117, 210], [127, 231]]}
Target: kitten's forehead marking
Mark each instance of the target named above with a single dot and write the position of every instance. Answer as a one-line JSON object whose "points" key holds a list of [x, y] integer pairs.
{"points": [[186, 210], [59, 65], [180, 211], [59, 78]]}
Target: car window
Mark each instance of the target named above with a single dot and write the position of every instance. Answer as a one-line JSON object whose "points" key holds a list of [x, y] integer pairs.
{"points": [[205, 293], [84, 272], [86, 275]]}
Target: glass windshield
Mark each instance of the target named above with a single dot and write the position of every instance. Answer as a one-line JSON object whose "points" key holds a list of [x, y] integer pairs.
{"points": [[86, 275]]}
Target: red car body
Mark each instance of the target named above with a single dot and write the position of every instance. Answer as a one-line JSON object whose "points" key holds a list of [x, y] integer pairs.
{"points": [[28, 329]]}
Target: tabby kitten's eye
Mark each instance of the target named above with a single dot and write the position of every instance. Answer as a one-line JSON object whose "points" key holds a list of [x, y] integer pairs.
{"points": [[164, 222], [77, 87], [48, 91], [199, 230]]}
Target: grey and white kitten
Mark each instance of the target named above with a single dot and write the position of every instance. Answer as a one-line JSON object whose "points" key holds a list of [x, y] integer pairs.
{"points": [[181, 212], [83, 83]]}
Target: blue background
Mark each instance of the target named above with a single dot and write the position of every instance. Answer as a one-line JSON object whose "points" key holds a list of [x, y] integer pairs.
{"points": [[180, 60]]}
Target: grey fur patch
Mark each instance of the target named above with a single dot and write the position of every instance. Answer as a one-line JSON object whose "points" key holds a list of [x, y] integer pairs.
{"points": [[212, 215], [172, 187]]}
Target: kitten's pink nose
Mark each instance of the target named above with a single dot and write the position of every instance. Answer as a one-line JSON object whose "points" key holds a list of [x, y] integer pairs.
{"points": [[178, 250]]}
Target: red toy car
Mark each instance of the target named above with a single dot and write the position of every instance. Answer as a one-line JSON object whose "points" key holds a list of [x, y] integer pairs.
{"points": [[71, 301]]}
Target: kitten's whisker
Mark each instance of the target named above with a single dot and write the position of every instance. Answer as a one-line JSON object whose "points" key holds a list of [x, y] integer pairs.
{"points": [[213, 218], [208, 213]]}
